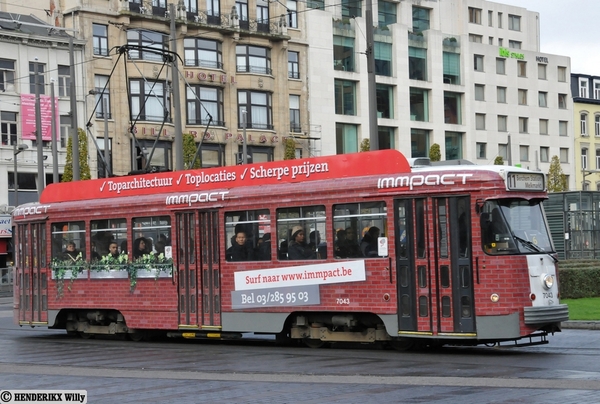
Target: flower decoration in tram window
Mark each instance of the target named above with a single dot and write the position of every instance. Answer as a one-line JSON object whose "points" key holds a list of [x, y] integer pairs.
{"points": [[108, 262], [63, 266], [156, 263]]}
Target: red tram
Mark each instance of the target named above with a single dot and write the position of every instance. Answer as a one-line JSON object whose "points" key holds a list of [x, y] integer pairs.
{"points": [[428, 255]]}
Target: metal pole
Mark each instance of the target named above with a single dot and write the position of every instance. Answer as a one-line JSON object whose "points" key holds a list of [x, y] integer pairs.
{"points": [[178, 144], [244, 145], [509, 147], [15, 174], [38, 125], [74, 130], [371, 83], [54, 137], [106, 150]]}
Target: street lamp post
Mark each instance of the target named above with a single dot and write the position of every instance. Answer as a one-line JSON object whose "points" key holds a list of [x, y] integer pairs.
{"points": [[16, 150]]}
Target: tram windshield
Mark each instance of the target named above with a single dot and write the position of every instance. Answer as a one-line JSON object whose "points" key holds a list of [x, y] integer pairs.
{"points": [[514, 226]]}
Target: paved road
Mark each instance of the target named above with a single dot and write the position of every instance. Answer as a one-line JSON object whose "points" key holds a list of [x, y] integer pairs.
{"points": [[565, 371]]}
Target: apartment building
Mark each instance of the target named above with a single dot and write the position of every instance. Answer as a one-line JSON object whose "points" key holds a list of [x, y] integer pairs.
{"points": [[585, 90], [34, 53], [466, 74]]}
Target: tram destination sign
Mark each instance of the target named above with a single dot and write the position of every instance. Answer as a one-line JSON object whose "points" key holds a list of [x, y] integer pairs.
{"points": [[525, 182]]}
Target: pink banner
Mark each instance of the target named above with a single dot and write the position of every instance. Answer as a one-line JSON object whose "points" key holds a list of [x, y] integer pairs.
{"points": [[28, 126]]}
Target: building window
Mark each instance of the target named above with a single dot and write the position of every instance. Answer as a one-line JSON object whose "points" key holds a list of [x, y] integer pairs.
{"points": [[203, 53], [542, 71], [292, 13], [419, 104], [521, 68], [451, 68], [514, 44], [191, 6], [383, 59], [454, 145], [524, 153], [544, 154], [514, 22], [597, 126], [562, 101], [8, 124], [502, 123], [253, 59], [160, 159], [522, 96], [490, 40], [343, 53], [584, 158], [452, 108], [500, 41], [562, 128], [475, 38], [596, 89], [419, 142], [583, 87], [100, 40], [501, 95], [499, 20], [213, 12], [474, 15], [480, 121], [564, 155], [490, 18], [543, 126], [420, 19], [346, 136], [152, 43], [102, 90], [479, 92], [503, 151], [293, 65], [387, 13], [597, 158], [583, 124], [7, 75], [204, 105], [64, 80], [478, 63], [523, 125], [295, 126], [481, 150], [561, 73], [65, 130], [149, 100], [385, 101], [259, 109], [242, 10], [316, 4], [500, 66], [352, 8], [40, 77], [102, 167], [386, 137], [345, 97], [417, 63], [213, 155], [543, 99], [262, 16]]}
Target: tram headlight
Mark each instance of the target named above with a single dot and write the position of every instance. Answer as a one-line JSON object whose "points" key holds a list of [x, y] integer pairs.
{"points": [[548, 281]]}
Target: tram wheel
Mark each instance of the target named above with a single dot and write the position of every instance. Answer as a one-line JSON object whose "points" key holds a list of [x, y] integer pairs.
{"points": [[85, 335], [402, 344], [313, 343], [137, 336]]}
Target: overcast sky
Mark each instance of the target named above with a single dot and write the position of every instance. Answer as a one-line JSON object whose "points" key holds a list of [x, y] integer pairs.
{"points": [[568, 28]]}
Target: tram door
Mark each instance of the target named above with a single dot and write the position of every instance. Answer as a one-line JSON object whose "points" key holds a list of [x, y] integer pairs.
{"points": [[210, 267], [187, 282], [452, 265], [32, 275], [433, 262]]}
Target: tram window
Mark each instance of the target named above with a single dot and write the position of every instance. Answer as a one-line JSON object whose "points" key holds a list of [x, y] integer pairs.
{"points": [[64, 233], [367, 219], [154, 231], [255, 226], [308, 220], [104, 232]]}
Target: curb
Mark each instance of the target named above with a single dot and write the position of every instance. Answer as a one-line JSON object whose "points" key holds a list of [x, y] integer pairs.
{"points": [[581, 325]]}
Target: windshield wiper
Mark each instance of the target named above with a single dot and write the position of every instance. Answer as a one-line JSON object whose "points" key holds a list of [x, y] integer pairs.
{"points": [[534, 247]]}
